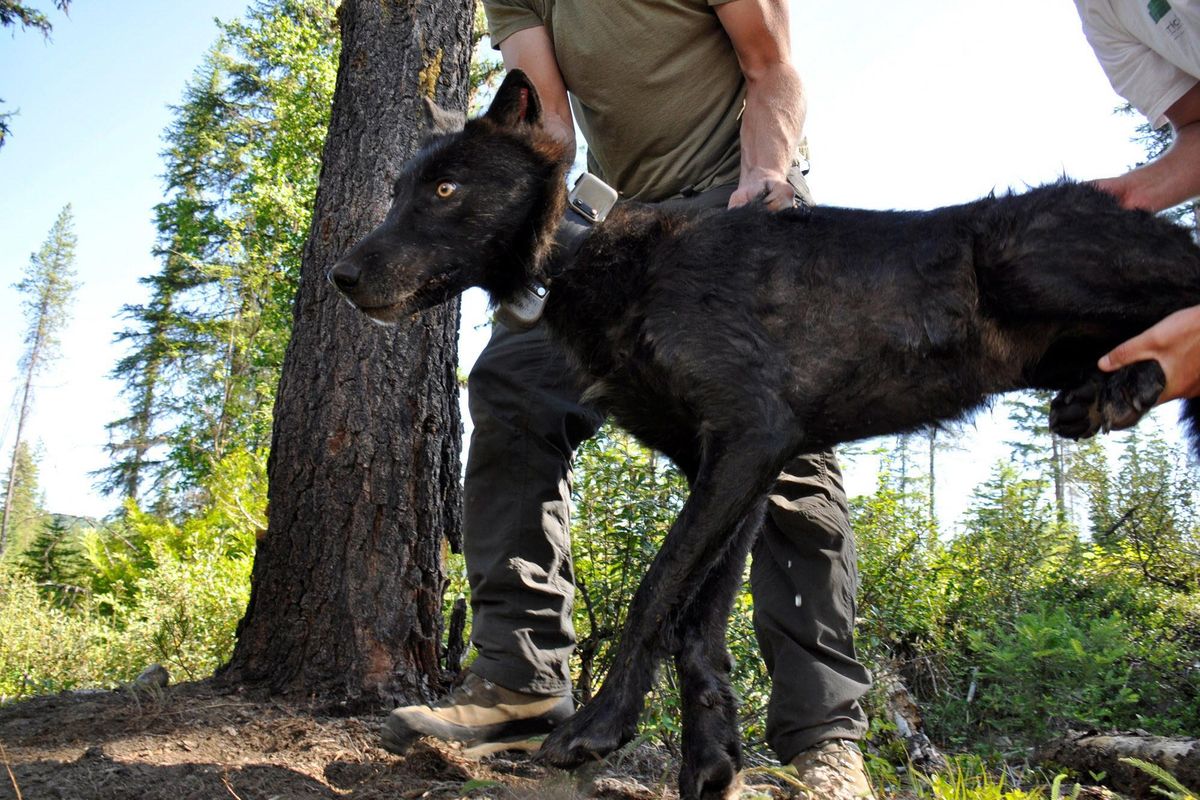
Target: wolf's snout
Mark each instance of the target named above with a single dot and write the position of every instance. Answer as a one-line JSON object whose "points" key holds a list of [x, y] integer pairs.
{"points": [[344, 275]]}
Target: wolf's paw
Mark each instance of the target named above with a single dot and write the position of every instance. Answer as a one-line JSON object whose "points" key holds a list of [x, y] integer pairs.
{"points": [[1075, 414], [597, 729], [1109, 401], [709, 779], [712, 748]]}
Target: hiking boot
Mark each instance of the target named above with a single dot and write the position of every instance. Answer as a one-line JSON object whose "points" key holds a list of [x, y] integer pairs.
{"points": [[485, 717], [833, 770]]}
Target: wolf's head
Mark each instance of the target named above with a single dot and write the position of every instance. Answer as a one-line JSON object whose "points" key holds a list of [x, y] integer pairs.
{"points": [[476, 206]]}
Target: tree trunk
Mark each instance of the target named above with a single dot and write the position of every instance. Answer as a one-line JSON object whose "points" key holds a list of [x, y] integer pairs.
{"points": [[32, 363], [12, 467], [903, 712], [933, 476], [1059, 460], [1097, 753], [346, 596]]}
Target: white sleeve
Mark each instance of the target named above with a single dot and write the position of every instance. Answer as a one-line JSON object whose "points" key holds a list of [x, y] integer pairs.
{"points": [[1137, 73]]}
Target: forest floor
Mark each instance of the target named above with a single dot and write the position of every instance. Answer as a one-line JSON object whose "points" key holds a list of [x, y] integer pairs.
{"points": [[200, 741], [196, 742]]}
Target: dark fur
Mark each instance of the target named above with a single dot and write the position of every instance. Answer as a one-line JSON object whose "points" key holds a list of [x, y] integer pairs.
{"points": [[732, 341]]}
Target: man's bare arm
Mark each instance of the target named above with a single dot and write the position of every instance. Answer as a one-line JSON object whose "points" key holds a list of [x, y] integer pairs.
{"points": [[1174, 176], [775, 106], [1167, 181], [531, 51]]}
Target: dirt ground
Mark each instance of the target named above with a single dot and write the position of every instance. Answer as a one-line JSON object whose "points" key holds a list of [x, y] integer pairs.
{"points": [[194, 742]]}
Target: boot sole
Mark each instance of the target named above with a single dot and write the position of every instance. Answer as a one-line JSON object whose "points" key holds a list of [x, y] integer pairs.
{"points": [[400, 744]]}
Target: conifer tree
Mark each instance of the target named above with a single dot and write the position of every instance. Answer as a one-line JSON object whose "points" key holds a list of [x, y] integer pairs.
{"points": [[1047, 453], [364, 470], [53, 563], [26, 509], [242, 159], [48, 286]]}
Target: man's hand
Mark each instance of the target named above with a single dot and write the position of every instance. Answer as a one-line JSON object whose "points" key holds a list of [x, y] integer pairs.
{"points": [[774, 112], [1130, 189], [1174, 176], [1175, 344], [762, 185], [1165, 182]]}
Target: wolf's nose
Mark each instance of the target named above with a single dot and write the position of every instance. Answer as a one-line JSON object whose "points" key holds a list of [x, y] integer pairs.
{"points": [[344, 275]]}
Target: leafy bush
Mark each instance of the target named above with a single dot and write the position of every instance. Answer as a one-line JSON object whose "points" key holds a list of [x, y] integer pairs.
{"points": [[44, 648], [1047, 665], [158, 591]]}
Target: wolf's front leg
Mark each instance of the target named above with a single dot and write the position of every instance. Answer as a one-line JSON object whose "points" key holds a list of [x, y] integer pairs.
{"points": [[712, 744], [1108, 401], [731, 483]]}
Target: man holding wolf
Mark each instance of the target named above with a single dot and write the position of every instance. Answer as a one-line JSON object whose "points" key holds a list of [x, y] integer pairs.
{"points": [[694, 104], [1150, 50]]}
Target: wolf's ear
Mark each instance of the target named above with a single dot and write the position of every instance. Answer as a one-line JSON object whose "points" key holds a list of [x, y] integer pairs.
{"points": [[516, 102], [440, 120]]}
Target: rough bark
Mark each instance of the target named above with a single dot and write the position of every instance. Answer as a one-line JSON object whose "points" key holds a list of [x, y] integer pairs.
{"points": [[364, 467], [1095, 753], [903, 712]]}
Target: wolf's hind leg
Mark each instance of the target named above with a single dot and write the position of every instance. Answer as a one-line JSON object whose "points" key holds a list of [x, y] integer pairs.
{"points": [[1108, 401]]}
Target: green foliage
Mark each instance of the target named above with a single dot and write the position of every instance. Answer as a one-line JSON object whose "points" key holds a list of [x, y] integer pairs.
{"points": [[625, 500], [26, 513], [486, 67], [47, 288], [44, 648], [55, 563], [1171, 788], [967, 779], [901, 604], [15, 13], [1046, 665], [1147, 515], [1019, 622], [155, 591], [242, 163]]}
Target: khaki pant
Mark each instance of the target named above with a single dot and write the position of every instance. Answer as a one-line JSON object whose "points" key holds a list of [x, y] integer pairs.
{"points": [[529, 420]]}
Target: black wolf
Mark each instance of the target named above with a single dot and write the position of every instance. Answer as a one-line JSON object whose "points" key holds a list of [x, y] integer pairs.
{"points": [[733, 340]]}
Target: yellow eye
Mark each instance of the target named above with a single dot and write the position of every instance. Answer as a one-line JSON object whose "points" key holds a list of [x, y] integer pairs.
{"points": [[446, 188]]}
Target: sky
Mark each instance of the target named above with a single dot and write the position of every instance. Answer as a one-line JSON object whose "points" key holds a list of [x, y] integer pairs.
{"points": [[911, 105]]}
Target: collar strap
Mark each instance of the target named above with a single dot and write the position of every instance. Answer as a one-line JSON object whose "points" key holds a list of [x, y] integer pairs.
{"points": [[588, 203], [572, 232]]}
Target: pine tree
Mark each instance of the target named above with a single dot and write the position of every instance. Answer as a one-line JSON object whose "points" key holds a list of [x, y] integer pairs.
{"points": [[53, 562], [1155, 142], [25, 506], [1049, 455], [1150, 523], [48, 286], [364, 470], [242, 165]]}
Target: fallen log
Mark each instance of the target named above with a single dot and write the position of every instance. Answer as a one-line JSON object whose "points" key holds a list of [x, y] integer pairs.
{"points": [[1092, 753], [902, 711]]}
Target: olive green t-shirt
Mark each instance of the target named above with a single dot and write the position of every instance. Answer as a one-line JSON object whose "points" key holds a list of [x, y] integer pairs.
{"points": [[655, 86]]}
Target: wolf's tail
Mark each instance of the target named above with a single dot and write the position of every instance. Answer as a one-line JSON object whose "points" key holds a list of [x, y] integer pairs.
{"points": [[1190, 419]]}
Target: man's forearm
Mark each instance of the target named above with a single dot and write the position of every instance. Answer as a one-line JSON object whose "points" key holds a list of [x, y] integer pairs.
{"points": [[1177, 171], [772, 120], [531, 50], [1167, 181]]}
